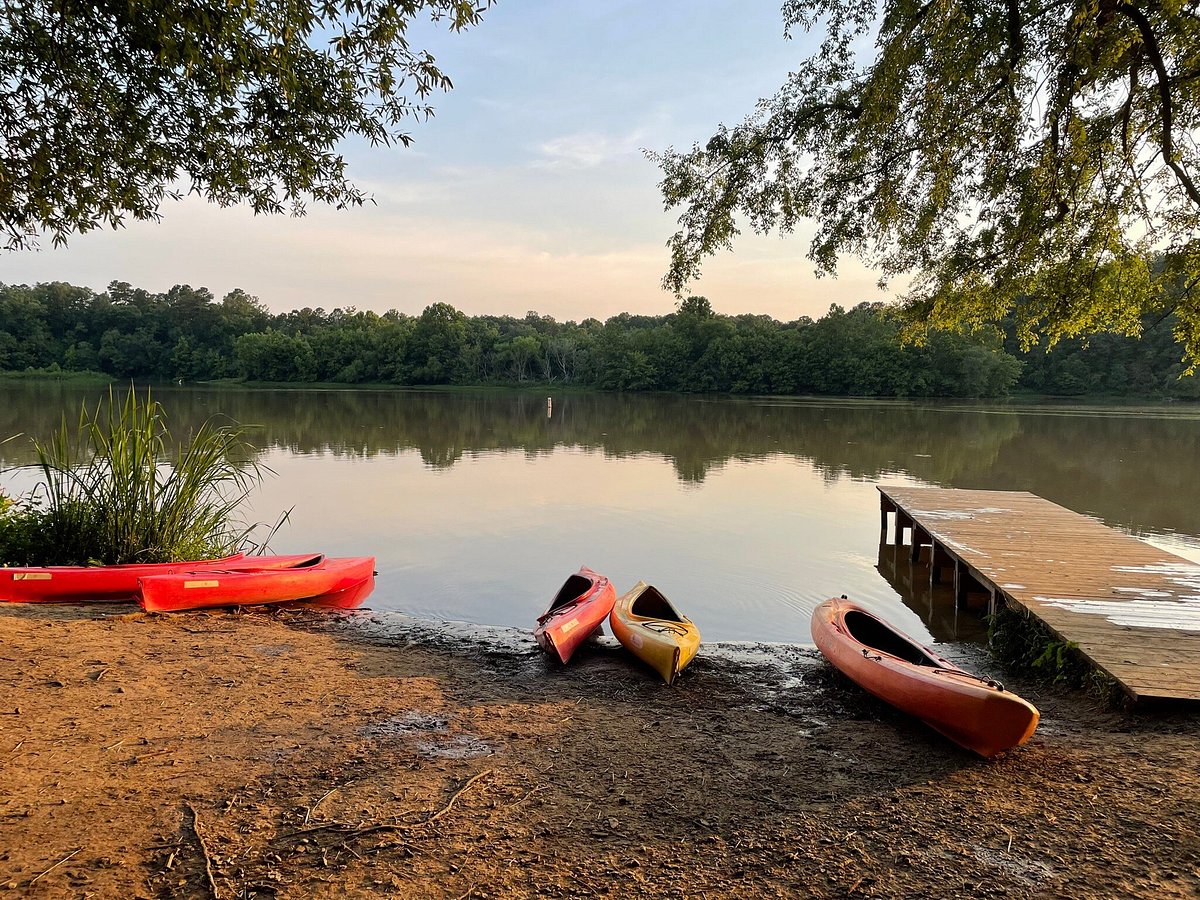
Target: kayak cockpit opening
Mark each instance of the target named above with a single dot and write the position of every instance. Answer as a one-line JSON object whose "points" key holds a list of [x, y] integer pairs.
{"points": [[868, 630], [574, 587], [653, 605], [310, 563]]}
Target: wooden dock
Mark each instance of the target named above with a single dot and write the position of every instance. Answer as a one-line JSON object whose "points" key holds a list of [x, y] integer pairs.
{"points": [[1132, 609]]}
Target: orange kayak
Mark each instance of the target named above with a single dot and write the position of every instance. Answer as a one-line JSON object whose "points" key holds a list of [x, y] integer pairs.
{"points": [[577, 611], [236, 587], [109, 584], [974, 712]]}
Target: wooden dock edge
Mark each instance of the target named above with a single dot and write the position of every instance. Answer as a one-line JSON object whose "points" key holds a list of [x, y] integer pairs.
{"points": [[905, 520]]}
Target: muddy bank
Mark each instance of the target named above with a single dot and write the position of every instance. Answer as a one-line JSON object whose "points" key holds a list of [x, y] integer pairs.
{"points": [[293, 755]]}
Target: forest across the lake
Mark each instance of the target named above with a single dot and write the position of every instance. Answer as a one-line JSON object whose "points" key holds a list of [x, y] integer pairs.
{"points": [[186, 334]]}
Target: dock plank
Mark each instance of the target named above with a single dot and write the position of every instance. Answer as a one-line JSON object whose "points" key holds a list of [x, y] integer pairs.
{"points": [[1133, 609]]}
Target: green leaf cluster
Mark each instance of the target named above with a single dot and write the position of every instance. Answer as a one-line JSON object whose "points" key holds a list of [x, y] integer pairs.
{"points": [[1020, 159], [109, 107], [1023, 643]]}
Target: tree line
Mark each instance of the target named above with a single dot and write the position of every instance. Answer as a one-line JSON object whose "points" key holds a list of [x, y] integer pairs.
{"points": [[186, 334]]}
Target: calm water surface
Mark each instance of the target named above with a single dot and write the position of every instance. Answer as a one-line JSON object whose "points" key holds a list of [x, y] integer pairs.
{"points": [[747, 513]]}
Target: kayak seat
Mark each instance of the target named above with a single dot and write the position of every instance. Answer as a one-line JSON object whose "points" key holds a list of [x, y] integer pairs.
{"points": [[575, 586], [653, 605], [867, 629]]}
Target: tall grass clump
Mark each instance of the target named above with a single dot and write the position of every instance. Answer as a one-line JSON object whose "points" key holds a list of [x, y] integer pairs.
{"points": [[16, 532], [118, 488]]}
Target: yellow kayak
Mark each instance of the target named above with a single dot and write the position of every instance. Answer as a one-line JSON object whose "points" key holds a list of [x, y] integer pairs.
{"points": [[654, 631]]}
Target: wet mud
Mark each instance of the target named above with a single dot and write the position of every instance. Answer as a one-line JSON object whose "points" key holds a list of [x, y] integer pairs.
{"points": [[293, 754]]}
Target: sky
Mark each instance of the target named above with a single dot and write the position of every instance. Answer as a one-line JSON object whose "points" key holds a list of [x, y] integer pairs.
{"points": [[528, 190]]}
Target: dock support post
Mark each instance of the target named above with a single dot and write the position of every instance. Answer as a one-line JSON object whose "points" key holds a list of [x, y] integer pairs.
{"points": [[915, 553], [885, 506], [960, 585]]}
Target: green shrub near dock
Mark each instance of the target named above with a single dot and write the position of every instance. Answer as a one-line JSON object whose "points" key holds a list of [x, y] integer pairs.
{"points": [[1024, 643]]}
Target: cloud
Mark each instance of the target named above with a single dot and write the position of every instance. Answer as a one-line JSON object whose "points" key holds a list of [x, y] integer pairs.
{"points": [[586, 149]]}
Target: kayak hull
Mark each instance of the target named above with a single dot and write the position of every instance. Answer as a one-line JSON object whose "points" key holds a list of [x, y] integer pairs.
{"points": [[208, 589], [650, 628], [350, 598], [975, 713], [113, 584], [575, 613]]}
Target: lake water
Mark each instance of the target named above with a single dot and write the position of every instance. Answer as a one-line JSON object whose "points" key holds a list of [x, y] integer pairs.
{"points": [[745, 512]]}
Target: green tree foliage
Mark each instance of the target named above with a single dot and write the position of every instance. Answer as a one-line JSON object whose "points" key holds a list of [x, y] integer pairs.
{"points": [[186, 334], [437, 344], [1022, 160], [110, 107], [274, 356]]}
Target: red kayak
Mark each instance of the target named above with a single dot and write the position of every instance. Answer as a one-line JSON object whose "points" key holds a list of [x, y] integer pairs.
{"points": [[239, 587], [576, 612], [109, 584], [350, 598], [974, 712]]}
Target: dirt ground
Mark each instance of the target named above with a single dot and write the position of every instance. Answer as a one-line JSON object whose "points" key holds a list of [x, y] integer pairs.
{"points": [[295, 754]]}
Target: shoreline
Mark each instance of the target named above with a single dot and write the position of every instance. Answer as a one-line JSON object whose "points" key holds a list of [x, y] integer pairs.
{"points": [[293, 754], [1017, 400]]}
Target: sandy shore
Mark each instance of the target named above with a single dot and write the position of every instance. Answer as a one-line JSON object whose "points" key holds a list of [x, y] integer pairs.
{"points": [[291, 754]]}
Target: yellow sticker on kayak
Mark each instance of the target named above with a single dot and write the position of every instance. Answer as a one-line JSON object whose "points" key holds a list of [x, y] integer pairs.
{"points": [[200, 584], [568, 627], [32, 576]]}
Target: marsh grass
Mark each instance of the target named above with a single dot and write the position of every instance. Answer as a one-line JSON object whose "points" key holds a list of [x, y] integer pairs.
{"points": [[118, 488]]}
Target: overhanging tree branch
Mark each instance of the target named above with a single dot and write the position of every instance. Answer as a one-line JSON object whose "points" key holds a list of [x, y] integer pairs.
{"points": [[1166, 104], [1035, 120], [105, 105]]}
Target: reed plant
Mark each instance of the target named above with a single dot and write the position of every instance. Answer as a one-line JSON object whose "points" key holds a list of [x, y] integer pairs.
{"points": [[118, 488]]}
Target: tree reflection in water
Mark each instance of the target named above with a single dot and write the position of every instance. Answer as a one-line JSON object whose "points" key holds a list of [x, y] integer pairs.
{"points": [[1130, 467]]}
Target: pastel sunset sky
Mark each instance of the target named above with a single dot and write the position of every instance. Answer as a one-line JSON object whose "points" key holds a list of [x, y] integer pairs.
{"points": [[528, 190]]}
